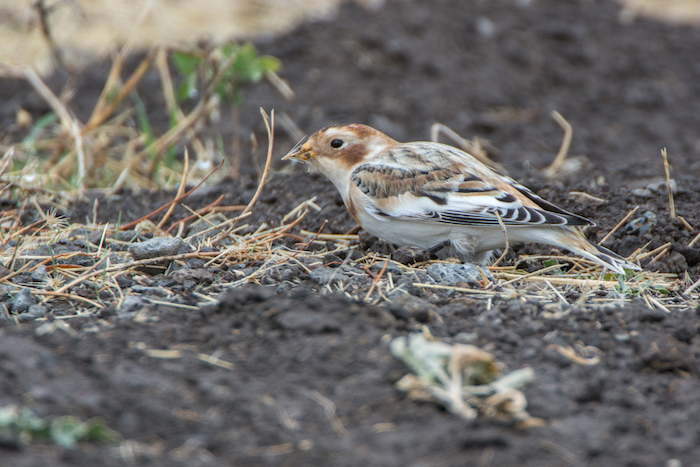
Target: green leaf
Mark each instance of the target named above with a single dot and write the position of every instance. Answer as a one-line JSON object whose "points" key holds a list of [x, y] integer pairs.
{"points": [[186, 63], [229, 50], [552, 262], [142, 117], [247, 66], [97, 431], [67, 431], [629, 273], [269, 63], [188, 89]]}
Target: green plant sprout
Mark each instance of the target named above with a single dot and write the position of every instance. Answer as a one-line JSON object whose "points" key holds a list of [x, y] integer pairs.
{"points": [[21, 425], [233, 65]]}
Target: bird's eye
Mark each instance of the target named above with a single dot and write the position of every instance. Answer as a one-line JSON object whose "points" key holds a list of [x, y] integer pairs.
{"points": [[336, 143]]}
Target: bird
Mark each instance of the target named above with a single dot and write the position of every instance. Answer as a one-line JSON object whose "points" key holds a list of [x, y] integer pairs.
{"points": [[440, 198]]}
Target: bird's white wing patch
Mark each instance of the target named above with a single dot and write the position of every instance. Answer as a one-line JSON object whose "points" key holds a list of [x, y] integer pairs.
{"points": [[433, 183]]}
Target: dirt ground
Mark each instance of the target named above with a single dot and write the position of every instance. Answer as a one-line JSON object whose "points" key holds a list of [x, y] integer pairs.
{"points": [[301, 376]]}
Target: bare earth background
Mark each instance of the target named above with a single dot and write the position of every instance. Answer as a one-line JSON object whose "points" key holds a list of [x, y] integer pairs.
{"points": [[90, 29], [494, 69]]}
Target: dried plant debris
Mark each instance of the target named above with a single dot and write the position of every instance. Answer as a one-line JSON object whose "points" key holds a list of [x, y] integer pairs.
{"points": [[55, 269], [121, 144], [464, 378]]}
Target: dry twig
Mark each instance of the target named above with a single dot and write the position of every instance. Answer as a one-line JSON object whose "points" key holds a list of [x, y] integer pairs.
{"points": [[505, 236], [671, 205], [553, 169], [619, 224], [176, 200], [270, 127]]}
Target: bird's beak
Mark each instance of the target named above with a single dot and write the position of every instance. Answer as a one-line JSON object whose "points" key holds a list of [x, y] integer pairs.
{"points": [[300, 153]]}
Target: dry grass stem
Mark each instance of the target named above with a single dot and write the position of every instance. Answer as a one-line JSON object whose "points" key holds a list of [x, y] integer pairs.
{"points": [[210, 359], [582, 195], [653, 252], [505, 236], [329, 409], [130, 225], [83, 276], [70, 124], [694, 241], [667, 171], [686, 224], [690, 289], [290, 127], [376, 280], [332, 237], [270, 127], [108, 101], [281, 86], [658, 303], [553, 169], [536, 273], [203, 211], [472, 147], [180, 190], [619, 224], [660, 255]]}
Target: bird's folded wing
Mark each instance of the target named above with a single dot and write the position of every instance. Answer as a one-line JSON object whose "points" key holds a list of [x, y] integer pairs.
{"points": [[434, 185]]}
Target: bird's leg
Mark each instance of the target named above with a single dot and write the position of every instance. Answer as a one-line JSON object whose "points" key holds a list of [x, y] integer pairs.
{"points": [[433, 251]]}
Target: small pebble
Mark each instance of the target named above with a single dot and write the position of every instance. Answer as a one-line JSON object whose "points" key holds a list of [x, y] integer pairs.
{"points": [[325, 274], [22, 301], [39, 274], [455, 274], [34, 312], [130, 304], [155, 248], [410, 254], [641, 225]]}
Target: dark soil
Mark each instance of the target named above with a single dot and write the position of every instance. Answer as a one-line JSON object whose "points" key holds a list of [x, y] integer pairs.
{"points": [[488, 69]]}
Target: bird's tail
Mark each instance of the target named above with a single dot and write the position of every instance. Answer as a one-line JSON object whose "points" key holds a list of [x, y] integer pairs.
{"points": [[596, 253]]}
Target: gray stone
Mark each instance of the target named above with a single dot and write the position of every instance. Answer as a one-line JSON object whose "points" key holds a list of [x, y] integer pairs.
{"points": [[455, 274], [39, 273], [196, 275], [37, 311], [390, 267], [642, 192], [324, 274], [155, 248], [22, 301], [34, 312], [661, 187], [641, 225], [9, 289], [130, 304]]}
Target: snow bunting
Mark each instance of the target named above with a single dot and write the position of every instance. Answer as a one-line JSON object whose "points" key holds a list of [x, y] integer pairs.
{"points": [[431, 194]]}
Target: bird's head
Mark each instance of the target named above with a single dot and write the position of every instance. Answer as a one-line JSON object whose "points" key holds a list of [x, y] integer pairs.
{"points": [[340, 147]]}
